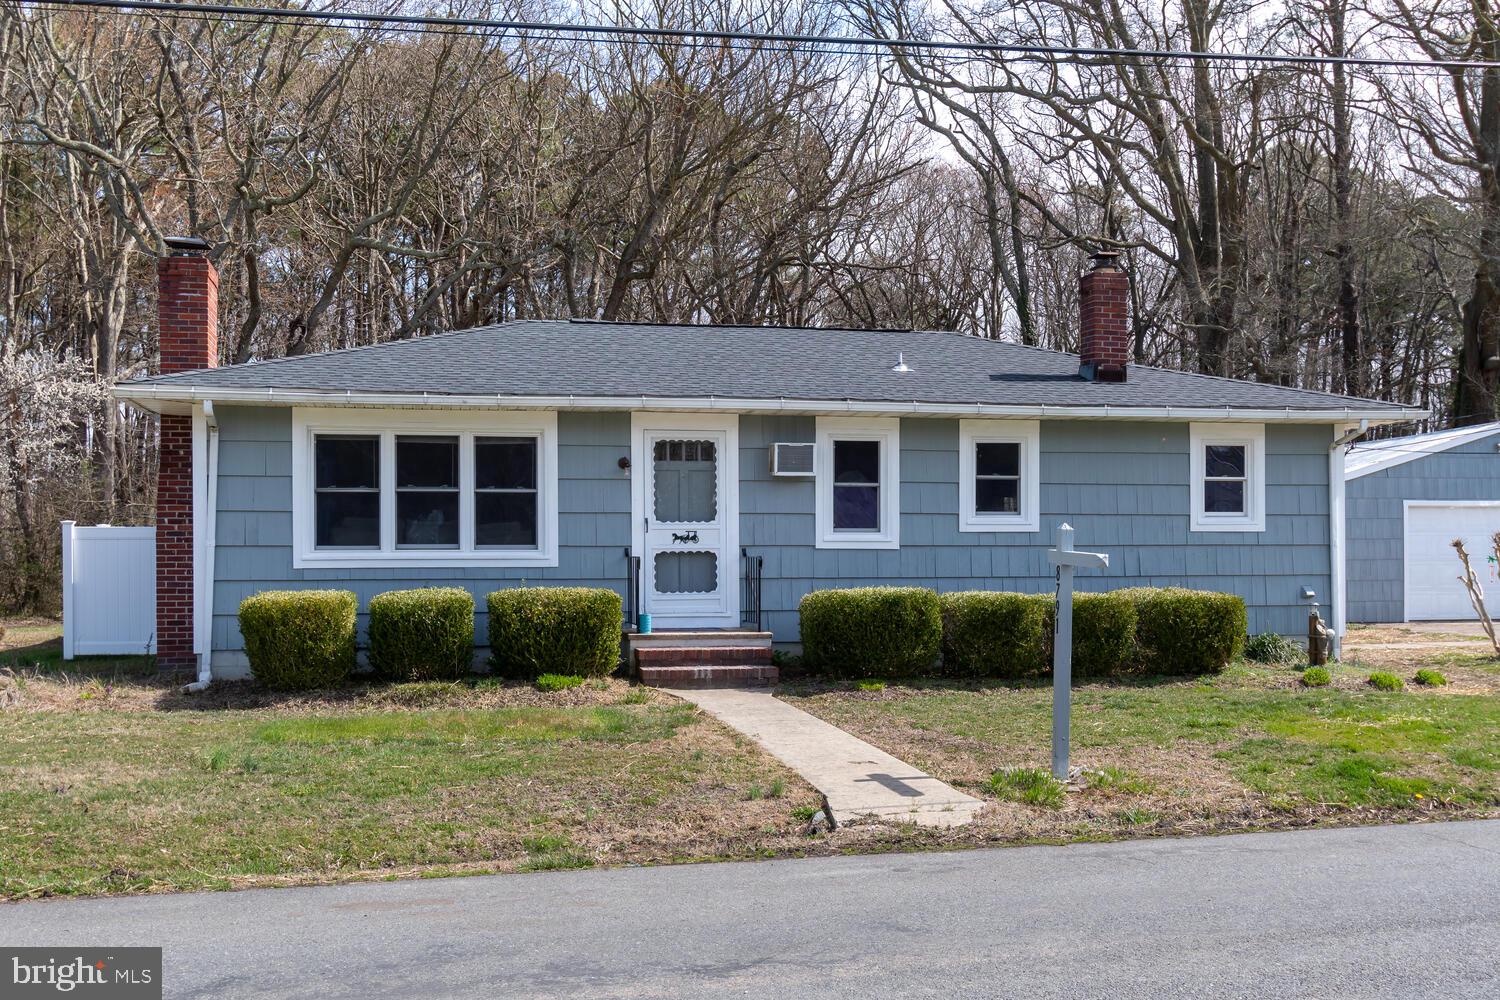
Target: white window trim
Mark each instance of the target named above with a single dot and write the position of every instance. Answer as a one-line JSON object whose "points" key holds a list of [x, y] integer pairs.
{"points": [[387, 424], [1253, 438], [886, 430], [1027, 434]]}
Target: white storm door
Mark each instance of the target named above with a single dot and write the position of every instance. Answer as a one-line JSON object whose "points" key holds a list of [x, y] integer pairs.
{"points": [[687, 519]]}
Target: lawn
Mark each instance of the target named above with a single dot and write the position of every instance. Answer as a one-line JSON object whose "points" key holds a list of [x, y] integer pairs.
{"points": [[1248, 749], [112, 781]]}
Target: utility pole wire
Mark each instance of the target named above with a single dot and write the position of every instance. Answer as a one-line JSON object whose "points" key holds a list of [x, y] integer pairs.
{"points": [[1042, 53]]}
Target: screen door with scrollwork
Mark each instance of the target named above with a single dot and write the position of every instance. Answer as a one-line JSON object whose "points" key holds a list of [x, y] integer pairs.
{"points": [[686, 508]]}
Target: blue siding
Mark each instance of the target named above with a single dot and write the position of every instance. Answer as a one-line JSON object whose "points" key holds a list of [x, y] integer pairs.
{"points": [[1375, 542], [254, 531], [1123, 486]]}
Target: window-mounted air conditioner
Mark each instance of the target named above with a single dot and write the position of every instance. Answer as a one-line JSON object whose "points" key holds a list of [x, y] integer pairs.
{"points": [[790, 458]]}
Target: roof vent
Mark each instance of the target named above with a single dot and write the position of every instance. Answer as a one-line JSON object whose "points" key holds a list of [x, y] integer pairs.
{"points": [[901, 365]]}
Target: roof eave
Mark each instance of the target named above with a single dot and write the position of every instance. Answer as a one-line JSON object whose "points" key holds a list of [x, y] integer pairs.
{"points": [[180, 398], [1396, 455]]}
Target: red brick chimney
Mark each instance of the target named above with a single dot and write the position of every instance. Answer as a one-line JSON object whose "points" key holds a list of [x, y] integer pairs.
{"points": [[1103, 337], [187, 310]]}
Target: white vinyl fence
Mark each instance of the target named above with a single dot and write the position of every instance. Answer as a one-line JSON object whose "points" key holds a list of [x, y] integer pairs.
{"points": [[109, 590]]}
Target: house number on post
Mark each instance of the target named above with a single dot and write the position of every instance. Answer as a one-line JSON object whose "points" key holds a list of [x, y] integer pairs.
{"points": [[685, 537], [1066, 559]]}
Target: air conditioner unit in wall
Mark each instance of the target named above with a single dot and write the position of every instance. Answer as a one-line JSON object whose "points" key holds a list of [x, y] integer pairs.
{"points": [[790, 458]]}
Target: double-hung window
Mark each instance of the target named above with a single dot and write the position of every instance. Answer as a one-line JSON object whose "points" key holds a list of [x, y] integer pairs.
{"points": [[857, 472], [347, 491], [427, 491], [505, 492], [395, 488], [999, 485], [1228, 477]]}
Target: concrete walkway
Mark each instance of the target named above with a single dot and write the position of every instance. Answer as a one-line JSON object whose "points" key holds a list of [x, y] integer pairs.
{"points": [[857, 779]]}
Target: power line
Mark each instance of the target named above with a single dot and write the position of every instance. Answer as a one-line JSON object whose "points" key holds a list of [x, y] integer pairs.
{"points": [[1043, 53]]}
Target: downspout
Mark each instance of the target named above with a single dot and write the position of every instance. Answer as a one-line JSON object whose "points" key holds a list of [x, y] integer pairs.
{"points": [[1337, 568], [210, 533]]}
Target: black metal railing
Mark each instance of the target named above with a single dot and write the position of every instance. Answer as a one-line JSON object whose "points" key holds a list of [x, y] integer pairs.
{"points": [[632, 591], [750, 590]]}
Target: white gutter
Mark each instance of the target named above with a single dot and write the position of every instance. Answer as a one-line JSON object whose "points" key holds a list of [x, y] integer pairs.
{"points": [[1338, 570], [175, 396], [204, 578]]}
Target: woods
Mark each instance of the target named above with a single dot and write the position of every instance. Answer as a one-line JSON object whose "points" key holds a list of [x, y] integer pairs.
{"points": [[1319, 225]]}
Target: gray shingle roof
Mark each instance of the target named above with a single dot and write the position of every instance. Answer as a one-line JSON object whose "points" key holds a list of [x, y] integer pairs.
{"points": [[560, 358]]}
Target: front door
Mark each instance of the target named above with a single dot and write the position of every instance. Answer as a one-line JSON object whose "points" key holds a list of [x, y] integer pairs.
{"points": [[687, 513]]}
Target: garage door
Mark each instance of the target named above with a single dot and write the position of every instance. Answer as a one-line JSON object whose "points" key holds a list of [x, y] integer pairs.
{"points": [[1433, 592]]}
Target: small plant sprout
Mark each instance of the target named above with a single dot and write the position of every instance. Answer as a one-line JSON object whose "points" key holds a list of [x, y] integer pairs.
{"points": [[1316, 677], [1030, 785], [1273, 648], [870, 685], [1383, 681], [558, 682], [1428, 677]]}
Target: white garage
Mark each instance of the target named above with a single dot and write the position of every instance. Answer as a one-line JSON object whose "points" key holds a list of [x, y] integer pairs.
{"points": [[1406, 500], [1433, 590]]}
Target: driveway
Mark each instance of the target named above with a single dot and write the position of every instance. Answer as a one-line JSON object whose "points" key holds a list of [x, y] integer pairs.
{"points": [[1379, 912]]}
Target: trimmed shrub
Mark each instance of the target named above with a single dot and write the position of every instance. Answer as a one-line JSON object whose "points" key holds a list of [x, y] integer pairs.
{"points": [[886, 632], [555, 630], [994, 634], [299, 639], [1382, 681], [1273, 648], [1428, 677], [1104, 628], [1316, 677], [422, 635], [1182, 631]]}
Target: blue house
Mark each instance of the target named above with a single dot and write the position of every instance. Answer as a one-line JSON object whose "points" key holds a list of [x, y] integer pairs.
{"points": [[715, 475], [1408, 498]]}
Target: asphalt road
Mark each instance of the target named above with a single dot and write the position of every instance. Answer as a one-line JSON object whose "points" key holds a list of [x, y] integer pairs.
{"points": [[1402, 912]]}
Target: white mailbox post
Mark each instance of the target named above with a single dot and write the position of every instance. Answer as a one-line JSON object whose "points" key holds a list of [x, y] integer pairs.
{"points": [[1066, 559]]}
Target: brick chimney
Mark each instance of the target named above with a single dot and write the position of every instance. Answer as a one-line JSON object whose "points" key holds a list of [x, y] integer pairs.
{"points": [[187, 310], [1103, 337]]}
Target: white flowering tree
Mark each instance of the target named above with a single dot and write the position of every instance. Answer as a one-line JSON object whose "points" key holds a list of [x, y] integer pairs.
{"points": [[47, 407]]}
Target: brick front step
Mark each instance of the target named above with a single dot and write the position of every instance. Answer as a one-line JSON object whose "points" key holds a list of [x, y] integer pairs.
{"points": [[662, 656], [718, 675]]}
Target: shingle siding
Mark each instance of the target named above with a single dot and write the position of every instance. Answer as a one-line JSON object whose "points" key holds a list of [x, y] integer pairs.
{"points": [[254, 531], [1123, 487], [1376, 526]]}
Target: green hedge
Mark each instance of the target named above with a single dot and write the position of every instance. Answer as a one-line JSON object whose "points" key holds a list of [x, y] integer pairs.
{"points": [[1187, 631], [422, 635], [299, 639], [872, 631], [995, 634], [554, 630], [1104, 634]]}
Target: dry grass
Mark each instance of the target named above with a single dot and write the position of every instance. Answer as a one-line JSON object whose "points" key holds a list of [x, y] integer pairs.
{"points": [[1249, 750], [113, 781]]}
